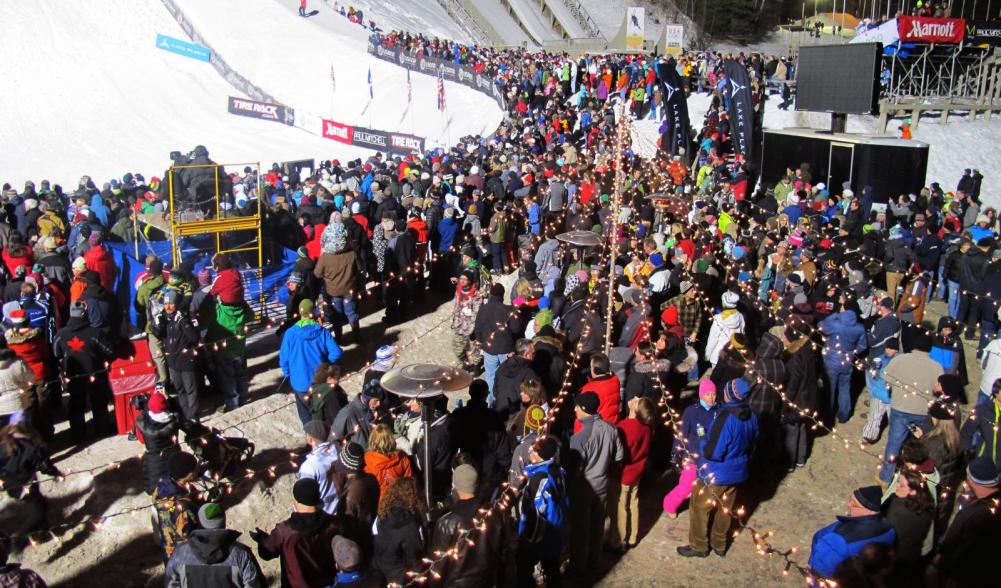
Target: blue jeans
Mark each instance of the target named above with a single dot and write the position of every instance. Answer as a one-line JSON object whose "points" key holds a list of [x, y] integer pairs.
{"points": [[939, 283], [895, 438], [497, 256], [343, 308], [987, 330], [953, 299], [840, 382], [232, 373], [490, 364], [300, 406]]}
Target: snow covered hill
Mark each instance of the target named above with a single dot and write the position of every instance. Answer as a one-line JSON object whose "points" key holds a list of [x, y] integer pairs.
{"points": [[292, 58], [89, 93], [426, 16]]}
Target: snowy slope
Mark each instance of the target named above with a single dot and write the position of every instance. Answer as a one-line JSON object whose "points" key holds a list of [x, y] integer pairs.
{"points": [[291, 58], [954, 146], [610, 14], [566, 18], [501, 21], [531, 16], [425, 16], [88, 93]]}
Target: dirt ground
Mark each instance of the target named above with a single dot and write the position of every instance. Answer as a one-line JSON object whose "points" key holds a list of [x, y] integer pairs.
{"points": [[122, 552]]}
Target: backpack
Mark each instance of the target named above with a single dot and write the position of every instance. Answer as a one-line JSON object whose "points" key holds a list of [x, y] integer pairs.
{"points": [[154, 307], [173, 521], [552, 506]]}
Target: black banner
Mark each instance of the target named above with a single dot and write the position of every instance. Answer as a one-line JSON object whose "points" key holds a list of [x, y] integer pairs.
{"points": [[459, 74], [983, 32], [678, 133], [370, 139], [740, 112], [404, 144], [263, 110]]}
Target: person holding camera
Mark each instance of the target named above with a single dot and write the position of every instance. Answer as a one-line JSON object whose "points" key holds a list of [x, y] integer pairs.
{"points": [[158, 425]]}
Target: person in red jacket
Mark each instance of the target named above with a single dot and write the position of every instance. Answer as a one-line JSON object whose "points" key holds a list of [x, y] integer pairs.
{"points": [[32, 347], [16, 254], [636, 431], [99, 259], [228, 286], [606, 385]]}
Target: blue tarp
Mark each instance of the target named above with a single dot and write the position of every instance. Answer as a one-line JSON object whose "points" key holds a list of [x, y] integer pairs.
{"points": [[272, 282]]}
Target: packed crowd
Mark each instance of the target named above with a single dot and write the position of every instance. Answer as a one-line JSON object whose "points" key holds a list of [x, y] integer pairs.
{"points": [[767, 306]]}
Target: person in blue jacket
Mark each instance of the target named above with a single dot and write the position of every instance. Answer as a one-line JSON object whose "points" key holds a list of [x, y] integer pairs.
{"points": [[447, 229], [305, 345], [726, 452], [846, 537], [846, 340]]}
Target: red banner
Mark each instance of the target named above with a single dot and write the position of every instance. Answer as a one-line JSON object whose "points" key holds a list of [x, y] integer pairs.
{"points": [[338, 132], [920, 29]]}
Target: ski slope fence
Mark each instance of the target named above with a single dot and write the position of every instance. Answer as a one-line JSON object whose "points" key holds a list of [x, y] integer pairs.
{"points": [[431, 66]]}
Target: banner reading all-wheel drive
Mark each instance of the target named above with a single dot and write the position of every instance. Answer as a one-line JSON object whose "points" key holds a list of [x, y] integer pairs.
{"points": [[740, 112]]}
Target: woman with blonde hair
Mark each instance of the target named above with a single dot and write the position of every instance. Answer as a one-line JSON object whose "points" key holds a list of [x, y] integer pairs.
{"points": [[383, 460]]}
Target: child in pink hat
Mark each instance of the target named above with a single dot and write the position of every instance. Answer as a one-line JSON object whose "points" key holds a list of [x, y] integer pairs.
{"points": [[695, 423]]}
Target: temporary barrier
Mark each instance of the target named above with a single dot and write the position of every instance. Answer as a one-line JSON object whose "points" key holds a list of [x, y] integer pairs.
{"points": [[450, 71]]}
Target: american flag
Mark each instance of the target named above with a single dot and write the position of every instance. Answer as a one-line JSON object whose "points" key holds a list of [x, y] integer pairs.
{"points": [[410, 88], [333, 79], [441, 91]]}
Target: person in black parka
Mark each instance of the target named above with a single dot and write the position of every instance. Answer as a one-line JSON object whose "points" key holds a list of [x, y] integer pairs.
{"points": [[158, 425]]}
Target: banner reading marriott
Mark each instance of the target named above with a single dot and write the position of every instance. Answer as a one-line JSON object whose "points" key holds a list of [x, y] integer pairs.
{"points": [[450, 71], [263, 110]]}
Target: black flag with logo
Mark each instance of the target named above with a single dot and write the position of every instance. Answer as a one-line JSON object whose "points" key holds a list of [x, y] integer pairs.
{"points": [[672, 89], [741, 111]]}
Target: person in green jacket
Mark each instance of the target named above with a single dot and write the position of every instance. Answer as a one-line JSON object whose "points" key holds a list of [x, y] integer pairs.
{"points": [[148, 304], [498, 231], [227, 342]]}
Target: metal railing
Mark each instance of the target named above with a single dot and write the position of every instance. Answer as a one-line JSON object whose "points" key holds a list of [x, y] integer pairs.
{"points": [[461, 16], [582, 17]]}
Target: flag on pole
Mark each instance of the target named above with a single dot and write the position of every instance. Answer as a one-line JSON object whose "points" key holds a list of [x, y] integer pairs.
{"points": [[371, 94], [441, 91], [410, 88], [333, 79]]}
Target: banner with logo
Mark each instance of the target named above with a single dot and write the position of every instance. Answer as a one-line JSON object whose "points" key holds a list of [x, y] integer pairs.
{"points": [[184, 48], [741, 113], [262, 110], [431, 66], [370, 139], [920, 29], [338, 132], [405, 144], [674, 39], [982, 32], [635, 16], [678, 134]]}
